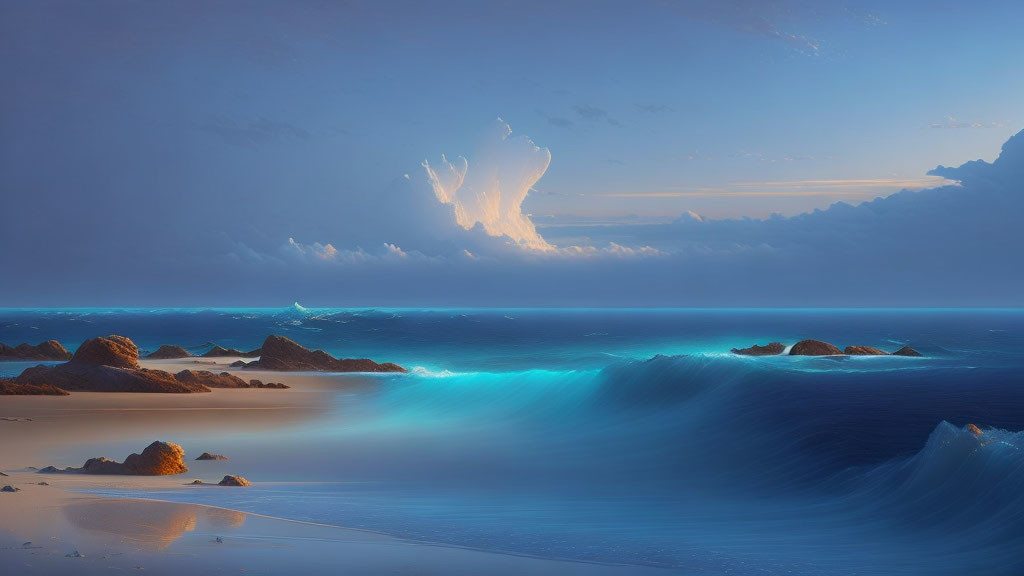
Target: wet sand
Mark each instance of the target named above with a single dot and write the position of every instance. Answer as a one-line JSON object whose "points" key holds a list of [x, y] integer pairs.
{"points": [[153, 537]]}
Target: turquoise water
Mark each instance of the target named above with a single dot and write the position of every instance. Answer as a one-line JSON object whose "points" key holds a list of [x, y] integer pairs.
{"points": [[633, 436]]}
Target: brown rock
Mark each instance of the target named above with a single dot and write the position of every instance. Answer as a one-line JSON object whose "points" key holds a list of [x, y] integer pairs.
{"points": [[167, 352], [208, 456], [238, 364], [158, 459], [974, 430], [221, 352], [233, 481], [864, 351], [907, 351], [49, 350], [116, 351], [93, 378], [285, 355], [770, 349], [813, 348], [206, 378], [10, 387]]}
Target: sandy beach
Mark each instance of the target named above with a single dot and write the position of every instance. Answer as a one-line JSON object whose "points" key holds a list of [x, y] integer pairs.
{"points": [[40, 525]]}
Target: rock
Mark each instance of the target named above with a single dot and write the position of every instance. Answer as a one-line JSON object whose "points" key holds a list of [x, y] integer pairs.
{"points": [[285, 355], [113, 350], [49, 350], [208, 456], [168, 352], [206, 378], [259, 384], [2, 474], [158, 459], [13, 489], [237, 364], [233, 481], [196, 482], [221, 352], [864, 351], [42, 483], [813, 348], [74, 554], [94, 378], [10, 387], [974, 430], [907, 351], [770, 349]]}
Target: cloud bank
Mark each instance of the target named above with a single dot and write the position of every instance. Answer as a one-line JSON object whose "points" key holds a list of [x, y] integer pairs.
{"points": [[455, 233]]}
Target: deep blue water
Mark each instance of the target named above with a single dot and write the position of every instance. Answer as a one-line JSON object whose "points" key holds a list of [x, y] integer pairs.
{"points": [[633, 436]]}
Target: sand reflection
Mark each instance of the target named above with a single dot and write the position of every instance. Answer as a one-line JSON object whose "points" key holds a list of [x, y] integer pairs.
{"points": [[148, 525]]}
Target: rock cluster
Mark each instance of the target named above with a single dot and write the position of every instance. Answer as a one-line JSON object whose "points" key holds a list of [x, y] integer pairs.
{"points": [[49, 350], [819, 348], [208, 456], [158, 459], [221, 352]]}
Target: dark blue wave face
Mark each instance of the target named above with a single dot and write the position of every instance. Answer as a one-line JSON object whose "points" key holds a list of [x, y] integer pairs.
{"points": [[562, 433]]}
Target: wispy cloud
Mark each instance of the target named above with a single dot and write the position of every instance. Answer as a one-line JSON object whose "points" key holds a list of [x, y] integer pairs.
{"points": [[794, 188], [952, 123]]}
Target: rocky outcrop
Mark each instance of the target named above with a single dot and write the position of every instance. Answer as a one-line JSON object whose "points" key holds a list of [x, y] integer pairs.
{"points": [[49, 350], [208, 456], [234, 481], [864, 351], [814, 348], [158, 459], [284, 355], [771, 349], [257, 384], [87, 371], [209, 379], [13, 489], [974, 430], [167, 352], [10, 387], [115, 351], [221, 352], [97, 378], [238, 364], [907, 351]]}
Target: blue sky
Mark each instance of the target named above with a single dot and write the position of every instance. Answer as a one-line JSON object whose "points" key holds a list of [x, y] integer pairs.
{"points": [[181, 137]]}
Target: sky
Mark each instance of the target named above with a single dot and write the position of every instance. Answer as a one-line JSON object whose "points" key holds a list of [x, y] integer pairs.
{"points": [[691, 153]]}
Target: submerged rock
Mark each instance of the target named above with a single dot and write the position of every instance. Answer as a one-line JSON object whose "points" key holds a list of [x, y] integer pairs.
{"points": [[907, 351], [864, 351], [234, 481], [770, 349], [814, 348], [285, 355], [167, 352], [49, 350], [158, 459], [208, 456]]}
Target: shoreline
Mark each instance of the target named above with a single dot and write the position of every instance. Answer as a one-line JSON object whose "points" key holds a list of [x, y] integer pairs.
{"points": [[51, 529]]}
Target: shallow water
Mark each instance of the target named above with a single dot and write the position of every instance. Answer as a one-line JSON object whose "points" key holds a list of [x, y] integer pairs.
{"points": [[562, 433]]}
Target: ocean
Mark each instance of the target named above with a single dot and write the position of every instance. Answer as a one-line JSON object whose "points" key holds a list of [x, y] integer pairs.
{"points": [[632, 436]]}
